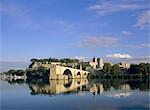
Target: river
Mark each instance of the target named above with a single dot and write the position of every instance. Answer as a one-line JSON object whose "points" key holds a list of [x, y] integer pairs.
{"points": [[75, 94]]}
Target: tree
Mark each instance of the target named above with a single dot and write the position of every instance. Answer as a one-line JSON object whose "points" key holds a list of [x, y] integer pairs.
{"points": [[134, 69], [84, 65], [53, 60], [68, 60], [20, 72], [107, 68], [11, 72], [33, 60], [115, 70], [144, 68], [40, 72], [148, 68], [44, 61]]}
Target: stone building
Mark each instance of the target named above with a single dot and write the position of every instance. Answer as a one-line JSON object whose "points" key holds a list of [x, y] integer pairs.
{"points": [[100, 63], [97, 63], [124, 65]]}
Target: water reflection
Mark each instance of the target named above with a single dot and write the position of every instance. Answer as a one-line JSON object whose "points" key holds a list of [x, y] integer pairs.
{"points": [[117, 88], [111, 88], [54, 87]]}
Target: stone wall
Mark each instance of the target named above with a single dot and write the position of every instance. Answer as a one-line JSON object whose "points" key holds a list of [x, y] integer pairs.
{"points": [[56, 72]]}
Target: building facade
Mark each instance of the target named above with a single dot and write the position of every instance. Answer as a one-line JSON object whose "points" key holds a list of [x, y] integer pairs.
{"points": [[97, 63], [124, 65]]}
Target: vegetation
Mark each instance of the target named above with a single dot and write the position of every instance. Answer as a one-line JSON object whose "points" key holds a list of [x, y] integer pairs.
{"points": [[141, 70], [115, 70], [68, 60], [84, 65], [37, 73], [64, 60], [135, 71], [107, 68], [30, 73], [16, 72], [48, 61]]}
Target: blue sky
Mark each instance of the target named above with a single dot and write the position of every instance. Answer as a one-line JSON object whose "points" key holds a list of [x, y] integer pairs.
{"points": [[69, 28]]}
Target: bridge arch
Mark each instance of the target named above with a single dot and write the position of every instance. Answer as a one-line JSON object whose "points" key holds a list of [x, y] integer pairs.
{"points": [[68, 84], [78, 81], [68, 73], [78, 73]]}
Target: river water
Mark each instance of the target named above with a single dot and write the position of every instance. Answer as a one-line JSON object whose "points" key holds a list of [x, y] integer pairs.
{"points": [[75, 94]]}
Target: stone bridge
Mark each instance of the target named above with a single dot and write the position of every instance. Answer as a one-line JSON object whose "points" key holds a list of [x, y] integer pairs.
{"points": [[61, 72]]}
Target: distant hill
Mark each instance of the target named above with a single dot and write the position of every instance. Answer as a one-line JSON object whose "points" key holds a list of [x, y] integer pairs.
{"points": [[5, 66], [129, 60]]}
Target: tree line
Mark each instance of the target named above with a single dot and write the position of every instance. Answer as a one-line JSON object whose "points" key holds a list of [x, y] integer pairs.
{"points": [[64, 60], [108, 71], [135, 71], [40, 72]]}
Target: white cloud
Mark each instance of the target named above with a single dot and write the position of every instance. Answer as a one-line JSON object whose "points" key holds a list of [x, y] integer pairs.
{"points": [[118, 55], [126, 33], [81, 58], [145, 45], [116, 6], [139, 59], [97, 42], [135, 59], [143, 19]]}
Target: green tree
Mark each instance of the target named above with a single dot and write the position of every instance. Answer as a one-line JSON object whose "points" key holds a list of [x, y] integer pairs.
{"points": [[84, 65], [11, 72], [148, 68], [144, 68], [33, 60], [107, 68], [37, 72], [115, 70], [134, 69], [20, 72]]}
